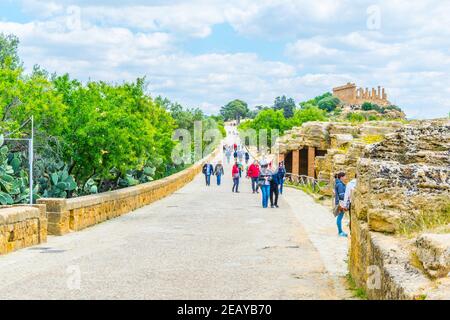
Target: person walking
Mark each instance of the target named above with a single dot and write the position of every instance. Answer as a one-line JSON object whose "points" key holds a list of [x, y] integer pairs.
{"points": [[240, 155], [265, 176], [253, 174], [219, 172], [241, 168], [208, 170], [247, 157], [274, 189], [235, 175], [228, 154], [348, 197], [339, 191], [281, 175], [235, 155]]}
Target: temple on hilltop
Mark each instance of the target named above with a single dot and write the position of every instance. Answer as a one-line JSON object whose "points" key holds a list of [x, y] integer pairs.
{"points": [[350, 95]]}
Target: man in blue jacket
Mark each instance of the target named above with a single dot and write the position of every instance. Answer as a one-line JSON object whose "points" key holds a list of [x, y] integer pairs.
{"points": [[208, 170]]}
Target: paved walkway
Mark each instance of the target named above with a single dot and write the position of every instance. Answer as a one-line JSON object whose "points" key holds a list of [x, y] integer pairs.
{"points": [[199, 243]]}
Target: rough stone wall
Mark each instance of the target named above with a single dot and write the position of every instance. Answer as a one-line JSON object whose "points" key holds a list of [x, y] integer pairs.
{"points": [[65, 215], [22, 226], [401, 180]]}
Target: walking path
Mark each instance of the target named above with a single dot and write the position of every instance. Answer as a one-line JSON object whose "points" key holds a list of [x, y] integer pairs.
{"points": [[199, 243]]}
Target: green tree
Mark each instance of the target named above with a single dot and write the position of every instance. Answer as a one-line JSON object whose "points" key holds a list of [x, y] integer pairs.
{"points": [[285, 104], [267, 120], [328, 103], [307, 114], [9, 57], [234, 110]]}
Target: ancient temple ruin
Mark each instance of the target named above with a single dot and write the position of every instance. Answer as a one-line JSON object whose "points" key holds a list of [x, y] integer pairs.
{"points": [[349, 94]]}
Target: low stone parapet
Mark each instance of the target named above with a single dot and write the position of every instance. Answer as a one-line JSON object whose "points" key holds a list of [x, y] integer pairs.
{"points": [[22, 226], [65, 215]]}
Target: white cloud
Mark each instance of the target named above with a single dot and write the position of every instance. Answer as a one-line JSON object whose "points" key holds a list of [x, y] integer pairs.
{"points": [[327, 43]]}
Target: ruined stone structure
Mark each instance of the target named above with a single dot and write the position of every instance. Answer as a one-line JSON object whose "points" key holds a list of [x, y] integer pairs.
{"points": [[403, 178], [403, 182], [349, 94], [317, 149]]}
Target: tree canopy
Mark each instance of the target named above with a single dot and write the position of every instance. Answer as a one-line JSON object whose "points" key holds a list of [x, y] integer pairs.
{"points": [[287, 105], [234, 110]]}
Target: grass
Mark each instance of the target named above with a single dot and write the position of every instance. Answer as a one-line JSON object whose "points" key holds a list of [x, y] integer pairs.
{"points": [[428, 220], [359, 293]]}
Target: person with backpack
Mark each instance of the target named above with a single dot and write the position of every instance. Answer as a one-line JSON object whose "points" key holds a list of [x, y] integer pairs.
{"points": [[264, 178], [274, 189], [247, 157], [253, 174], [219, 172], [281, 175], [208, 170], [348, 197], [236, 176], [339, 210]]}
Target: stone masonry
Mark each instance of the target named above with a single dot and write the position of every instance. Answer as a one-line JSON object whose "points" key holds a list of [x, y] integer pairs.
{"points": [[351, 95]]}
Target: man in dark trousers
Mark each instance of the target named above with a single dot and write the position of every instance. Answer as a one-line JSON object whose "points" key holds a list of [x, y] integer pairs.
{"points": [[208, 170], [274, 189]]}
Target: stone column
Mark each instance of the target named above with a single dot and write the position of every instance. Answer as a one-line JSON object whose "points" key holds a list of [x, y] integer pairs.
{"points": [[295, 161], [311, 160], [57, 214]]}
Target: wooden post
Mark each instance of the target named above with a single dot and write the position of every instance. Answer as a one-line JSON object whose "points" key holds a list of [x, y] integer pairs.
{"points": [[295, 161], [311, 160]]}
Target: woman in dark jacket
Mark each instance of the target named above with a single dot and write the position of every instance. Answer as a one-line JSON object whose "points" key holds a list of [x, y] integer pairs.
{"points": [[339, 191], [274, 189]]}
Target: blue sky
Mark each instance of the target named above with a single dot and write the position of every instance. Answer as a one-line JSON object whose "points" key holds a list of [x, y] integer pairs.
{"points": [[206, 52]]}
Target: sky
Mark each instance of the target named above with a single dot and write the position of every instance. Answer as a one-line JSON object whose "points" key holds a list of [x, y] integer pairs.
{"points": [[206, 53]]}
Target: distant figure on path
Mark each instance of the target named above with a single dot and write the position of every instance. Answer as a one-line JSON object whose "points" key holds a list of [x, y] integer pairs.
{"points": [[228, 154], [218, 171], [208, 170], [236, 176], [265, 176], [247, 157], [240, 155], [339, 191], [235, 155], [235, 147], [281, 175], [274, 189], [253, 174]]}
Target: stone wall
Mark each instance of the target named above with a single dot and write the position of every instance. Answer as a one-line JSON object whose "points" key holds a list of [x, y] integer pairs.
{"points": [[65, 215], [22, 226], [402, 182]]}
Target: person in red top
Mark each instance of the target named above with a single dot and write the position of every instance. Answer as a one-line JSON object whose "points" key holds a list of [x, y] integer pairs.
{"points": [[235, 147], [253, 173], [236, 175]]}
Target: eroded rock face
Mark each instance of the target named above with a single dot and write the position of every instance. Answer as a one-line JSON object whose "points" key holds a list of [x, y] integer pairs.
{"points": [[404, 176], [433, 251]]}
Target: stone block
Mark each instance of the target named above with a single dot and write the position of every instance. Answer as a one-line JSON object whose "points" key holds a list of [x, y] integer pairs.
{"points": [[433, 251]]}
